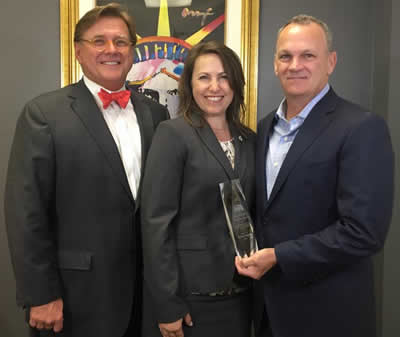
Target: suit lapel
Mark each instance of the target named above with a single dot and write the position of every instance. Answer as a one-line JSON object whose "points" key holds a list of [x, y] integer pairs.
{"points": [[85, 107], [211, 142], [146, 125], [316, 122], [238, 142], [261, 155], [241, 146]]}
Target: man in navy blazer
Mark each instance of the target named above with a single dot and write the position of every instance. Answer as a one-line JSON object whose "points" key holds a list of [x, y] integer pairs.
{"points": [[74, 177], [324, 198]]}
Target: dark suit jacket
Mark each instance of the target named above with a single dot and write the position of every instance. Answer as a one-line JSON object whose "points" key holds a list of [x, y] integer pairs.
{"points": [[328, 213], [70, 214], [186, 243]]}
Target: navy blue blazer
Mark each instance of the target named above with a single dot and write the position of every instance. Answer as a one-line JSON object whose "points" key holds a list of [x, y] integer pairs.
{"points": [[328, 213]]}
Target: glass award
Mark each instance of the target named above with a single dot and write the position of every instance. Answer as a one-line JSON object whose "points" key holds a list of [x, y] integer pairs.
{"points": [[238, 218]]}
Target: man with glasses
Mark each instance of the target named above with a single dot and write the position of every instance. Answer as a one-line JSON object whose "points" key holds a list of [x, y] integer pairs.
{"points": [[72, 194]]}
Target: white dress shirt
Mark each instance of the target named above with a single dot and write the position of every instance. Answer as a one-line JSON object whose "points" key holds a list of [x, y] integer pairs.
{"points": [[125, 130]]}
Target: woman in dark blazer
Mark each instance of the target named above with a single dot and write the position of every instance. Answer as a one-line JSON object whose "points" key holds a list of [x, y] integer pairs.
{"points": [[190, 283]]}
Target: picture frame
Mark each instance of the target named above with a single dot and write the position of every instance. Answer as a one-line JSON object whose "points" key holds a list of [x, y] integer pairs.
{"points": [[241, 19]]}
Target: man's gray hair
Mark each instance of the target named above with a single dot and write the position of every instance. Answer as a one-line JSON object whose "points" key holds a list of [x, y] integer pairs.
{"points": [[303, 19]]}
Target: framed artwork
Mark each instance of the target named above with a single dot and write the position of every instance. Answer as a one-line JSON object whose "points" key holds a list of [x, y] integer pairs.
{"points": [[166, 30]]}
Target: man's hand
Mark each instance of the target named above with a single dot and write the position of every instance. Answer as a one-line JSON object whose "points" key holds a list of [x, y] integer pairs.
{"points": [[257, 264], [174, 329], [47, 316]]}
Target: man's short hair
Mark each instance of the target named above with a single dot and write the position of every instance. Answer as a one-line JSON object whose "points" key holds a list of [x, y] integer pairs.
{"points": [[303, 19], [113, 10]]}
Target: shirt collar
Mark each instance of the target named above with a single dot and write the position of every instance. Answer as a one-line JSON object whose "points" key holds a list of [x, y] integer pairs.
{"points": [[94, 88], [280, 113]]}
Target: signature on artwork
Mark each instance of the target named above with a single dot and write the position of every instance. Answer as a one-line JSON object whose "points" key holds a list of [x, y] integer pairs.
{"points": [[195, 13]]}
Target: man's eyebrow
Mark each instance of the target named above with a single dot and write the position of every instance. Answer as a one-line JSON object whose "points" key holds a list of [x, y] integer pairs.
{"points": [[116, 37]]}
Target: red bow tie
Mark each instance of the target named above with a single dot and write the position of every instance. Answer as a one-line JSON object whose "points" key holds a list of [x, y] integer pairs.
{"points": [[121, 97]]}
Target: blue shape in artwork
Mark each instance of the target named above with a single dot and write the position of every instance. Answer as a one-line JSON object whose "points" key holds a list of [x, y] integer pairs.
{"points": [[178, 69], [170, 53]]}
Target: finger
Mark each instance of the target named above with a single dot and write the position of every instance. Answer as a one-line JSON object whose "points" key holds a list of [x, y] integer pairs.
{"points": [[164, 332], [32, 322], [174, 333], [238, 263], [58, 325], [39, 325], [248, 262], [249, 272], [179, 333], [241, 270], [171, 334], [244, 272], [48, 326]]}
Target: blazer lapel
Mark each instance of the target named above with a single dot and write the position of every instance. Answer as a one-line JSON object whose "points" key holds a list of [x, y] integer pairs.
{"points": [[211, 142], [240, 143], [316, 122], [146, 125], [261, 155], [87, 110]]}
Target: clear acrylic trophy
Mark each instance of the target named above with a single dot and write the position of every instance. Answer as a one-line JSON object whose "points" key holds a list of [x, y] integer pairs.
{"points": [[238, 218]]}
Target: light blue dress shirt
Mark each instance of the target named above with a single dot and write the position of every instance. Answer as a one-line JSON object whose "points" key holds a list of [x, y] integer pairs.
{"points": [[282, 137]]}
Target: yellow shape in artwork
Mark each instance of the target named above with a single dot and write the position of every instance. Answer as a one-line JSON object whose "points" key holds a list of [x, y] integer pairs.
{"points": [[163, 19], [203, 32]]}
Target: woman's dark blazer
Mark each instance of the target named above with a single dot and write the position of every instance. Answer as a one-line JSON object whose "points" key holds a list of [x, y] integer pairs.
{"points": [[186, 243]]}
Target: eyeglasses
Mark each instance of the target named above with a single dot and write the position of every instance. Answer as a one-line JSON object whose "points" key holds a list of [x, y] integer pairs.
{"points": [[100, 43]]}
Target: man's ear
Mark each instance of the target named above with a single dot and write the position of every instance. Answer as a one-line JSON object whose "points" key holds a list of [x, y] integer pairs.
{"points": [[77, 48], [332, 59], [275, 67]]}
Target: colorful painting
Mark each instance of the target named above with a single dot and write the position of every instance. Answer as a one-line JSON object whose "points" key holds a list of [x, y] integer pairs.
{"points": [[166, 30], [239, 31]]}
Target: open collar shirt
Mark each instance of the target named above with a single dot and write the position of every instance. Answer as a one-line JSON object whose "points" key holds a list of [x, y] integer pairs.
{"points": [[282, 136]]}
